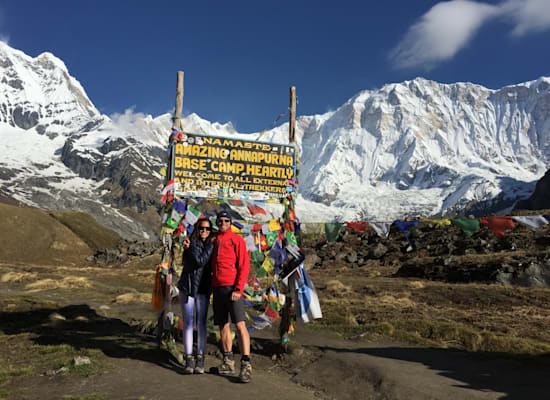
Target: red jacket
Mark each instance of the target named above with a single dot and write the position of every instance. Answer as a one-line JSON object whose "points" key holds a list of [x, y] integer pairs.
{"points": [[230, 262]]}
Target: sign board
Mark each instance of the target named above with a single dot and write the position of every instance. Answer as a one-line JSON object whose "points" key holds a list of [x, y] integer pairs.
{"points": [[230, 168]]}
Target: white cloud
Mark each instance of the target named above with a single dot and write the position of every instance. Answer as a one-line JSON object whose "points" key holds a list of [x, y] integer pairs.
{"points": [[528, 15], [440, 33], [449, 26], [127, 119]]}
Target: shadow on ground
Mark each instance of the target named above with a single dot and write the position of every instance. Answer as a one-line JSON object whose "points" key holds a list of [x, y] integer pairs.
{"points": [[83, 328], [517, 377]]}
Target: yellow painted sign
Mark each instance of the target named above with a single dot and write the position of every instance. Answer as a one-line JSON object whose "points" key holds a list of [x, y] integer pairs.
{"points": [[229, 168]]}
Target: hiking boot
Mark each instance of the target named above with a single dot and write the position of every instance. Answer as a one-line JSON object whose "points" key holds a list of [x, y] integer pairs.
{"points": [[246, 372], [189, 364], [227, 367], [199, 364]]}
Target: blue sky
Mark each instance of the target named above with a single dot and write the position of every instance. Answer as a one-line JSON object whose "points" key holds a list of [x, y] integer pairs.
{"points": [[241, 57]]}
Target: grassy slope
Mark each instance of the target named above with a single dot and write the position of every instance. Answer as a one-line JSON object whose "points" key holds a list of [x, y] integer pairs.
{"points": [[30, 235]]}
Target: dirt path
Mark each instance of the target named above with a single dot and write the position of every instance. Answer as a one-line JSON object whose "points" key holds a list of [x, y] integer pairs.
{"points": [[349, 370]]}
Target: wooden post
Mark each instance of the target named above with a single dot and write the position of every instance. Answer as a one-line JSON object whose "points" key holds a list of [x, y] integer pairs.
{"points": [[292, 118], [179, 101]]}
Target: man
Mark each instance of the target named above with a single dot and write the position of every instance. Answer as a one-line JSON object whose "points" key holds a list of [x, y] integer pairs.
{"points": [[230, 267]]}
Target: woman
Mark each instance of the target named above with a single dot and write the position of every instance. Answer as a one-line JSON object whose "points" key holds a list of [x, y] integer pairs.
{"points": [[195, 286]]}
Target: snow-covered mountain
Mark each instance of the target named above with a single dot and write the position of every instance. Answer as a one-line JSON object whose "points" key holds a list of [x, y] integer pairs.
{"points": [[412, 148]]}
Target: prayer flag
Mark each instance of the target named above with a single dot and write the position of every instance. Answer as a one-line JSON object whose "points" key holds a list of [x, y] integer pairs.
{"points": [[250, 243], [468, 226], [192, 215], [382, 229], [254, 209], [357, 226], [498, 224], [332, 230], [274, 225], [532, 221]]}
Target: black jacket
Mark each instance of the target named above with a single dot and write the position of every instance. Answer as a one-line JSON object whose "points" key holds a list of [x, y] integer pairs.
{"points": [[196, 276]]}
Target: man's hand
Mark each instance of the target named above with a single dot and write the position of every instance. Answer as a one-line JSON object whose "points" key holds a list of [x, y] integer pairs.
{"points": [[235, 296], [185, 243]]}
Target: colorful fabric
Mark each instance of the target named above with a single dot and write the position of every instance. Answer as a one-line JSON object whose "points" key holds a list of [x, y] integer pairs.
{"points": [[261, 241], [332, 230], [271, 313], [254, 209], [532, 221], [235, 229], [174, 220], [278, 254], [291, 238], [357, 226], [265, 229], [250, 243], [256, 258], [468, 226], [406, 226], [498, 224], [382, 229], [440, 222], [271, 238], [192, 215], [256, 228], [179, 206], [274, 225], [307, 301]]}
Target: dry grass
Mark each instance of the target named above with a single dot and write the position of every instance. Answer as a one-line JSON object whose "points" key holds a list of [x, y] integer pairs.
{"points": [[129, 298], [68, 282], [474, 317], [17, 276]]}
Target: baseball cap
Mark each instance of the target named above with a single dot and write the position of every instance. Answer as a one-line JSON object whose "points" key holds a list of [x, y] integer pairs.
{"points": [[223, 214]]}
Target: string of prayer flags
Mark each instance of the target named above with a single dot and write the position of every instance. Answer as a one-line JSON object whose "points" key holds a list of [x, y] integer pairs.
{"points": [[357, 226], [382, 229], [532, 221], [498, 224], [261, 241], [468, 226]]}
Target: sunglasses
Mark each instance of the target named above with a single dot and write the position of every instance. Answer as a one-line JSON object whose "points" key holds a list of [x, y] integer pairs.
{"points": [[205, 228], [223, 221]]}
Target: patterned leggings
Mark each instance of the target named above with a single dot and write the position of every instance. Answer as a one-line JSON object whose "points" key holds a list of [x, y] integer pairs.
{"points": [[200, 305]]}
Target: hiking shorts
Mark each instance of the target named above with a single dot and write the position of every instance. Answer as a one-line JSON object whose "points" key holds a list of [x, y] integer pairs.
{"points": [[223, 306]]}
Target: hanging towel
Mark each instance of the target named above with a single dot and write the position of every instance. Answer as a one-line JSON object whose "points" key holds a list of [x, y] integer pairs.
{"points": [[382, 229], [468, 226], [498, 224], [532, 221]]}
